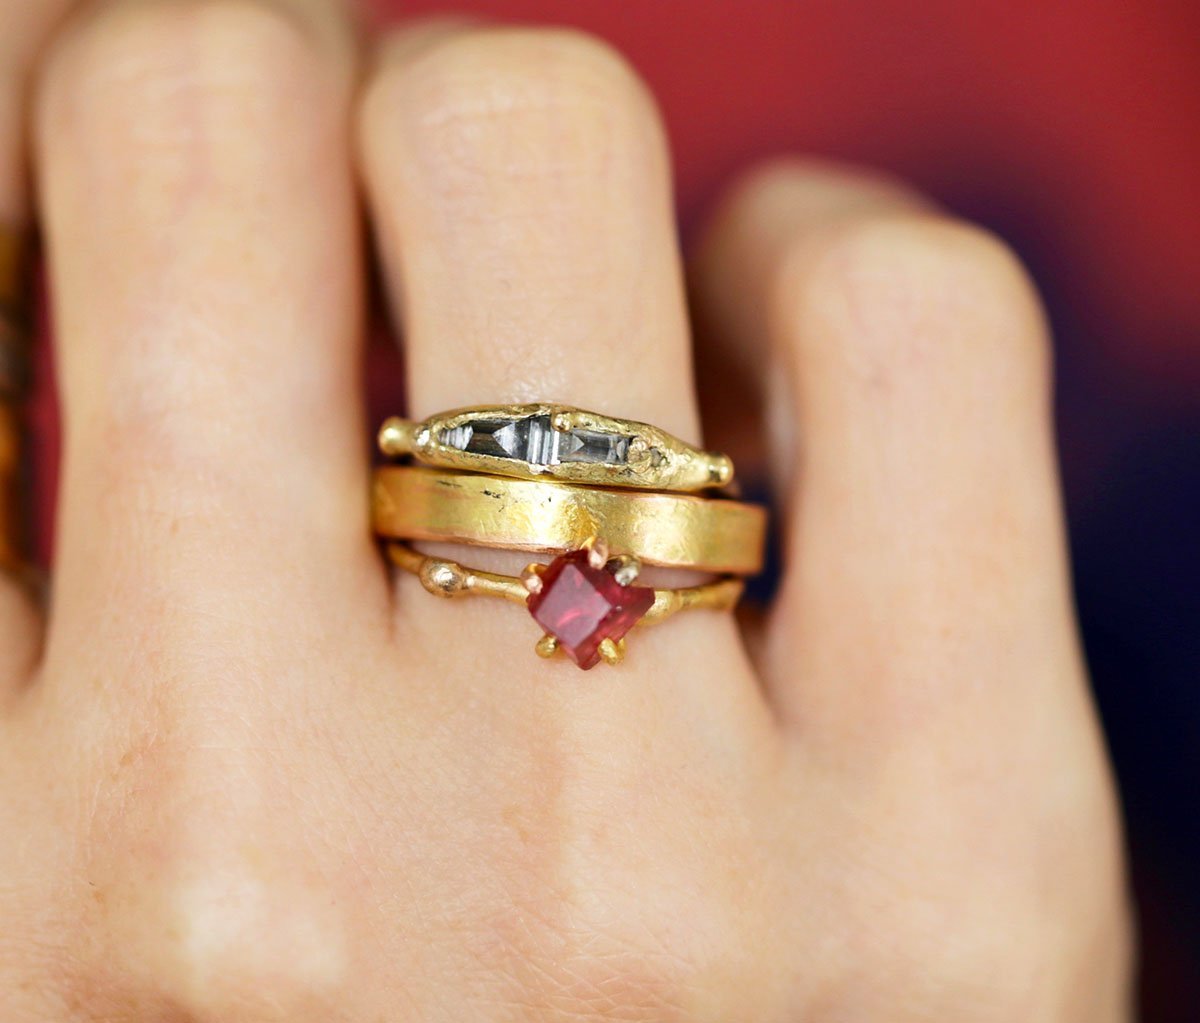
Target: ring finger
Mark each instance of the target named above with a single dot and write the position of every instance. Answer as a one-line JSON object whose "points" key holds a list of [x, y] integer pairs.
{"points": [[521, 193]]}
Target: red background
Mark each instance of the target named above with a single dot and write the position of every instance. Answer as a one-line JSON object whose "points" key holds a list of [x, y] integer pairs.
{"points": [[1079, 122], [1072, 129]]}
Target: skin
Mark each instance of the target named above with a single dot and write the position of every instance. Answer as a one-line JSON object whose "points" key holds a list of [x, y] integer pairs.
{"points": [[247, 776]]}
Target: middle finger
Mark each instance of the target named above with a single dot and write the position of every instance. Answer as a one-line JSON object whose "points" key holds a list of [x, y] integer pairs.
{"points": [[200, 220]]}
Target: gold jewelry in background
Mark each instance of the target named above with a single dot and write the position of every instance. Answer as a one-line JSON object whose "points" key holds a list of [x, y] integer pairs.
{"points": [[14, 380], [12, 267], [11, 530]]}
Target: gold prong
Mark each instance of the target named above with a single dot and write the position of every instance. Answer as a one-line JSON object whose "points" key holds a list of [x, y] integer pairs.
{"points": [[597, 552], [531, 577], [396, 437], [638, 450], [612, 653], [624, 568], [562, 422], [547, 646]]}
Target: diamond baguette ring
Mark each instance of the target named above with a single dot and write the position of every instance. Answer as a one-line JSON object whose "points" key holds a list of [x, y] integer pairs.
{"points": [[602, 496], [556, 442]]}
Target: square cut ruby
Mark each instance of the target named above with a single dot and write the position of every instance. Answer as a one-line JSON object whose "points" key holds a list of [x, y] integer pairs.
{"points": [[582, 606]]}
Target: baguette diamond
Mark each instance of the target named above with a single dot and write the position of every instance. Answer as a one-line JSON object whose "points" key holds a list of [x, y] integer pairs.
{"points": [[534, 440]]}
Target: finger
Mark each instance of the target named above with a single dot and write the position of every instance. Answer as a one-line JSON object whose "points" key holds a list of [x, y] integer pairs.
{"points": [[200, 220], [25, 28], [924, 581], [520, 187]]}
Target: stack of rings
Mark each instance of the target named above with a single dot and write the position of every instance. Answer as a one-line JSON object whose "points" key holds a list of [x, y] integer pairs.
{"points": [[14, 381], [604, 496]]}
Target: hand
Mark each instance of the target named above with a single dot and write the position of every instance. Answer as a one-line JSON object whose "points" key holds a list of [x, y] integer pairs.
{"points": [[246, 776]]}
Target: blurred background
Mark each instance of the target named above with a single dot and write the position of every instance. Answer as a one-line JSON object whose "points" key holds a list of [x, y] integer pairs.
{"points": [[1071, 128]]}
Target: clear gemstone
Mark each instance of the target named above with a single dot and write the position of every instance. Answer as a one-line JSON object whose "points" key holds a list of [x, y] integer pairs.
{"points": [[530, 440], [477, 437], [459, 437], [534, 440], [594, 446]]}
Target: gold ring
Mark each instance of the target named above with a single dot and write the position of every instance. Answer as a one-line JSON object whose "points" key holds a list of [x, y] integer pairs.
{"points": [[585, 601], [556, 442], [14, 380], [671, 530]]}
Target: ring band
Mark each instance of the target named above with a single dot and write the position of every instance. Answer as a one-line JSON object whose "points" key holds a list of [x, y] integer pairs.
{"points": [[613, 603], [557, 442], [671, 530]]}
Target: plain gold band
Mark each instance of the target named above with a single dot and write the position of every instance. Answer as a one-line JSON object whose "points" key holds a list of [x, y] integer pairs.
{"points": [[450, 579], [671, 530]]}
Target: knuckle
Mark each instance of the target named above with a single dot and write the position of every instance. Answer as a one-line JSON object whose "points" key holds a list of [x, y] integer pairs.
{"points": [[238, 940], [910, 296], [230, 922], [156, 72], [536, 99]]}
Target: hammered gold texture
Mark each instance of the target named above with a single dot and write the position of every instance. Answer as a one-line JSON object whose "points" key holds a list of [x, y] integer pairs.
{"points": [[669, 530]]}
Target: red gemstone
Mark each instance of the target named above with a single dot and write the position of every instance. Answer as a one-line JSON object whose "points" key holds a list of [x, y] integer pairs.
{"points": [[582, 606]]}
